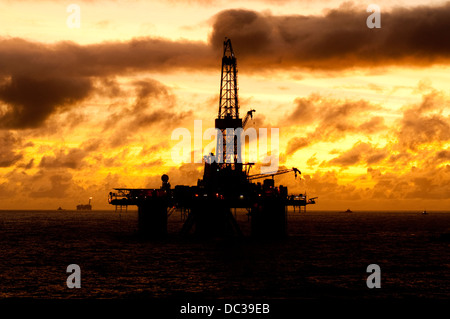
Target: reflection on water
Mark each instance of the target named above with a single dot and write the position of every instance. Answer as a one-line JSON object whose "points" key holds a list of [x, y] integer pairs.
{"points": [[326, 255]]}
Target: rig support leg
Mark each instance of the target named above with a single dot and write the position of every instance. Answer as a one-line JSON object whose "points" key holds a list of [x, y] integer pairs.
{"points": [[152, 219], [211, 220]]}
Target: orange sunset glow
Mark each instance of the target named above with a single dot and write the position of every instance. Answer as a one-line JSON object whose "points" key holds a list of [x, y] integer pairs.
{"points": [[364, 113]]}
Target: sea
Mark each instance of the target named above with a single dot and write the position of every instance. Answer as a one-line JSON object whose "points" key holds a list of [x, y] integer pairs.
{"points": [[325, 255]]}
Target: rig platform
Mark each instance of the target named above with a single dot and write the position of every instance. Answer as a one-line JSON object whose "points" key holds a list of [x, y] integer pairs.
{"points": [[226, 183]]}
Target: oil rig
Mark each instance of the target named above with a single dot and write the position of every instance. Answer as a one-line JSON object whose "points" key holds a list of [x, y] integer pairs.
{"points": [[85, 206], [226, 183]]}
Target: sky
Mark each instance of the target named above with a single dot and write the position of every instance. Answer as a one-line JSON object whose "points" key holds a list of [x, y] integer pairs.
{"points": [[362, 112]]}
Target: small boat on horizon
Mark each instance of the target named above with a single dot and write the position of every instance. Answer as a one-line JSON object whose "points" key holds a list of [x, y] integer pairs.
{"points": [[348, 211], [424, 212]]}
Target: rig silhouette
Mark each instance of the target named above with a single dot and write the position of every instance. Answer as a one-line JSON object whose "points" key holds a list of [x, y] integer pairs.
{"points": [[226, 183]]}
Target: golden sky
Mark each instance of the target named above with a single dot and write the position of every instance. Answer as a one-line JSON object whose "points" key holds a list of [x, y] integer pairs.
{"points": [[363, 113]]}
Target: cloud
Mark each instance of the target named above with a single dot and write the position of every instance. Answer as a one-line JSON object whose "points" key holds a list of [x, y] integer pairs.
{"points": [[9, 145], [331, 119], [28, 165], [154, 105], [373, 125], [150, 88], [443, 155], [22, 57], [72, 158], [108, 87], [150, 149], [295, 144], [38, 79], [416, 183], [337, 40], [326, 186], [360, 153], [144, 112], [312, 161], [160, 117], [30, 101], [56, 187], [419, 136], [425, 123], [417, 130]]}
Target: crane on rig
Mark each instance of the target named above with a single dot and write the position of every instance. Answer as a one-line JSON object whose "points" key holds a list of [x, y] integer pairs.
{"points": [[247, 117], [279, 172]]}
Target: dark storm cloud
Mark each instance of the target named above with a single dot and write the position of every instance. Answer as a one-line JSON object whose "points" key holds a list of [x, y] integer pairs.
{"points": [[337, 40], [30, 101], [37, 80], [21, 57]]}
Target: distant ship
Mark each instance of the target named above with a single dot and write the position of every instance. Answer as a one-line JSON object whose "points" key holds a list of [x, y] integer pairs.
{"points": [[348, 211], [424, 212], [85, 206]]}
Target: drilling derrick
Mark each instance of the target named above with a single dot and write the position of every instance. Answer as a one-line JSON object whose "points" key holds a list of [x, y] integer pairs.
{"points": [[225, 184], [223, 173], [228, 118]]}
